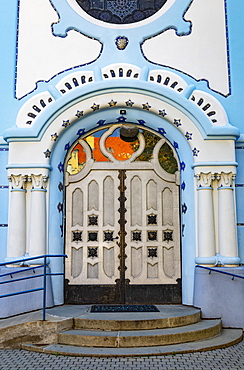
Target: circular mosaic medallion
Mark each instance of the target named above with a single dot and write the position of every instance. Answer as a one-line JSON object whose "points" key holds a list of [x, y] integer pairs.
{"points": [[121, 11]]}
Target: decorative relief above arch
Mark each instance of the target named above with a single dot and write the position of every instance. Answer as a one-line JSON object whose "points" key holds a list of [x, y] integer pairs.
{"points": [[111, 106], [33, 108], [74, 80], [121, 70], [210, 106], [168, 79]]}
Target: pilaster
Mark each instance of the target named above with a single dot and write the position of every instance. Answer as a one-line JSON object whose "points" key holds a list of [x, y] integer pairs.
{"points": [[205, 215], [17, 217], [227, 231], [37, 224]]}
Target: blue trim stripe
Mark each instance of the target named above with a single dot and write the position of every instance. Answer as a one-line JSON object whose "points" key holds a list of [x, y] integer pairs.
{"points": [[4, 187], [228, 46], [16, 49], [3, 225]]}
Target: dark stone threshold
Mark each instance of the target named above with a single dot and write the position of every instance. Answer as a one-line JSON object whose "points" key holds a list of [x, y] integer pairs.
{"points": [[124, 308], [135, 294]]}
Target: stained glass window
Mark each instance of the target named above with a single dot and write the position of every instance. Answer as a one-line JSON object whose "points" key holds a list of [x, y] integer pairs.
{"points": [[121, 11]]}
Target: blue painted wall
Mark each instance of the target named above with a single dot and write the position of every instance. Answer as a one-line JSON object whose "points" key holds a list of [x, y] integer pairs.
{"points": [[9, 105]]}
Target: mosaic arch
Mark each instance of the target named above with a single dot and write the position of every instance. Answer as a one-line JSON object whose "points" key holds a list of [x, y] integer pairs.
{"points": [[99, 119], [121, 11]]}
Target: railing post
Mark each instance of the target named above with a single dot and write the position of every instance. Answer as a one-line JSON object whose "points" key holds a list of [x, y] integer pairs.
{"points": [[44, 289]]}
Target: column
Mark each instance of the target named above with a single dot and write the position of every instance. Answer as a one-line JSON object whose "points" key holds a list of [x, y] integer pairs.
{"points": [[205, 214], [37, 224], [227, 231], [17, 217]]}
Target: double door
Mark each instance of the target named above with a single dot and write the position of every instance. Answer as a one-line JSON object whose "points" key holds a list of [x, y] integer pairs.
{"points": [[122, 233]]}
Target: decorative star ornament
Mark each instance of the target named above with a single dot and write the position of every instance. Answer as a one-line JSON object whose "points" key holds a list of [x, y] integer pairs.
{"points": [[183, 185], [146, 106], [60, 207], [95, 107], [66, 123], [101, 122], [54, 137], [112, 103], [182, 166], [61, 167], [121, 119], [47, 153], [184, 208], [162, 113], [188, 136], [129, 103], [195, 152], [60, 186], [80, 132], [177, 122], [161, 131], [79, 113]]}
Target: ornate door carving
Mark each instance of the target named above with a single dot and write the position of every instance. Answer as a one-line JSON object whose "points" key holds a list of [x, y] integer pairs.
{"points": [[93, 212]]}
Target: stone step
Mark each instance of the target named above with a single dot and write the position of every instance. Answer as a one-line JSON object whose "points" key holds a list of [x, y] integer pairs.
{"points": [[168, 317], [140, 338], [227, 338]]}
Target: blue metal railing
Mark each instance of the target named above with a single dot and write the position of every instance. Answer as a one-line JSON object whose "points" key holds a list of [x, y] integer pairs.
{"points": [[45, 258], [220, 272]]}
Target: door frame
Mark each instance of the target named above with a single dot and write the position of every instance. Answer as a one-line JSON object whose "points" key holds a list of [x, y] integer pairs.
{"points": [[133, 293]]}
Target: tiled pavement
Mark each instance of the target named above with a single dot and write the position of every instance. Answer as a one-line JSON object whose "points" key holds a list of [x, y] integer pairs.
{"points": [[231, 358]]}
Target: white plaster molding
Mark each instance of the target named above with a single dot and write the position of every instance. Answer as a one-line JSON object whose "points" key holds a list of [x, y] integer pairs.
{"points": [[44, 54], [74, 80], [210, 106], [33, 108], [204, 151], [121, 70], [203, 53], [167, 79]]}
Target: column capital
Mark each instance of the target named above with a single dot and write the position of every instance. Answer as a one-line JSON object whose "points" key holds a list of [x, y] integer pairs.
{"points": [[225, 179], [38, 181], [204, 179], [18, 181]]}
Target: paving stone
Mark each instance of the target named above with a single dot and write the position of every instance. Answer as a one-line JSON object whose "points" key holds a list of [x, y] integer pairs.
{"points": [[226, 359]]}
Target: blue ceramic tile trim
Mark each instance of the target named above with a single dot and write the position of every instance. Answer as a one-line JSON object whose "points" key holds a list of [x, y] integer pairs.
{"points": [[228, 47]]}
